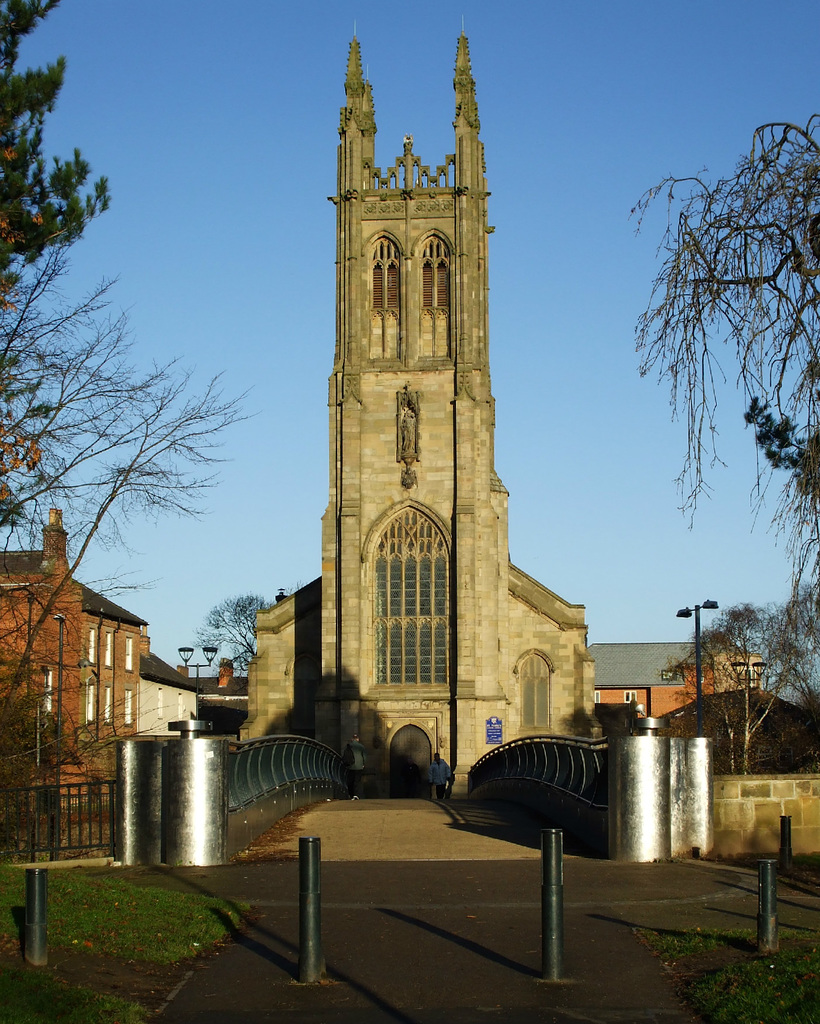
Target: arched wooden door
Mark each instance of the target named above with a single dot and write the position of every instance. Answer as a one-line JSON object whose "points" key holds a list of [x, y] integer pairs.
{"points": [[410, 747]]}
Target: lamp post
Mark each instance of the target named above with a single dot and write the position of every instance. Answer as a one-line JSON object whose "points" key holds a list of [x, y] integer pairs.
{"points": [[686, 613], [186, 653]]}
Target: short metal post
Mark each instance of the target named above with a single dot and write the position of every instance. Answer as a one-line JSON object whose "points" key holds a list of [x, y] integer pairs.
{"points": [[552, 904], [785, 842], [36, 935], [311, 958], [767, 941]]}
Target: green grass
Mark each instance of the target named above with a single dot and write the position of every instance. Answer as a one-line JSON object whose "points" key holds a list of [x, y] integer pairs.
{"points": [[110, 916], [760, 989], [101, 913], [29, 997]]}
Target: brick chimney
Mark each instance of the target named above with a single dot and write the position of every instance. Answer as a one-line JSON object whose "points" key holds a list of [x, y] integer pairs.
{"points": [[54, 540], [225, 671]]}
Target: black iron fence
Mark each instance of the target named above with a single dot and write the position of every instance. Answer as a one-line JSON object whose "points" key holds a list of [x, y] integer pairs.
{"points": [[70, 821]]}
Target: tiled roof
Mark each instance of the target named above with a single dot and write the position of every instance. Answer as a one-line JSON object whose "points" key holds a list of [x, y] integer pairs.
{"points": [[159, 671], [629, 666], [96, 604], [21, 563]]}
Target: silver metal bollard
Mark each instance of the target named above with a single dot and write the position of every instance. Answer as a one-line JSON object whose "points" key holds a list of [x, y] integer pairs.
{"points": [[36, 934], [767, 940], [552, 904], [311, 958]]}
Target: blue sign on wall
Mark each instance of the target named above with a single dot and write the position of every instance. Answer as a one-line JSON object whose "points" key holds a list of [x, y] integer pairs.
{"points": [[494, 730]]}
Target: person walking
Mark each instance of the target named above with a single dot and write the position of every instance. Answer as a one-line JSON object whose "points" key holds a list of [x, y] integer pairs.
{"points": [[438, 775], [355, 758]]}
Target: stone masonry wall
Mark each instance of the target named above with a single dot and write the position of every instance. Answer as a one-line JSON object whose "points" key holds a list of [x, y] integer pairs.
{"points": [[748, 808]]}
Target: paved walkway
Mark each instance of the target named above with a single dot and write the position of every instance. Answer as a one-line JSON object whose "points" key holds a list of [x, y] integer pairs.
{"points": [[431, 913]]}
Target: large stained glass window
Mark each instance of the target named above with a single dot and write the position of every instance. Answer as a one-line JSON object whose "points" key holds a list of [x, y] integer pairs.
{"points": [[411, 605], [534, 674]]}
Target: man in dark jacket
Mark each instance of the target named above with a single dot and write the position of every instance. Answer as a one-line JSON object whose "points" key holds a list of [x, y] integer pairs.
{"points": [[355, 757]]}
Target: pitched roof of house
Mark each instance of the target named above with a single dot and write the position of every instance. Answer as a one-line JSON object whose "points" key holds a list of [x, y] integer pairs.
{"points": [[159, 671], [96, 604], [21, 563], [629, 666]]}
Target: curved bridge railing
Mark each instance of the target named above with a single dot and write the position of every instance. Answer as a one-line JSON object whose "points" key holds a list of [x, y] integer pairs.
{"points": [[271, 776], [564, 778]]}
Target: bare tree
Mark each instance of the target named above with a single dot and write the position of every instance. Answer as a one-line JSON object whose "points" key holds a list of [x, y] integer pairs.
{"points": [[231, 626], [737, 299]]}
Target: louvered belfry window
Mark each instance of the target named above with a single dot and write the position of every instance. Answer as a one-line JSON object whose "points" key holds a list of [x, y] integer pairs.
{"points": [[411, 604], [435, 299], [384, 321]]}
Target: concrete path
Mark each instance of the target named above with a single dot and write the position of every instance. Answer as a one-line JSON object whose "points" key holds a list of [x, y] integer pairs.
{"points": [[431, 913]]}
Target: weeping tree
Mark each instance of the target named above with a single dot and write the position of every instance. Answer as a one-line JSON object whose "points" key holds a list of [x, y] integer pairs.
{"points": [[736, 300]]}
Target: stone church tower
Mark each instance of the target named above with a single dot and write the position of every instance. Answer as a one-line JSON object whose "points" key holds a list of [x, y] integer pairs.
{"points": [[419, 635]]}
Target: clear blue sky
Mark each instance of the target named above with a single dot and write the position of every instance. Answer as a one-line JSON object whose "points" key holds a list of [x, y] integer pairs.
{"points": [[217, 128]]}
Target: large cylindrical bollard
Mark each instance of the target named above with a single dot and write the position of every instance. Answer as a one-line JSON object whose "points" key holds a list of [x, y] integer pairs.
{"points": [[36, 934], [311, 957], [640, 827], [552, 904], [767, 939], [139, 803], [196, 804], [699, 791]]}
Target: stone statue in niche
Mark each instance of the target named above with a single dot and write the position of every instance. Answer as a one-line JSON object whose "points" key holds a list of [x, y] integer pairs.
{"points": [[407, 434]]}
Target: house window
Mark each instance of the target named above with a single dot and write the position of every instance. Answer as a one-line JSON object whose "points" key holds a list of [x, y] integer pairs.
{"points": [[597, 696], [534, 674], [90, 702], [129, 654], [128, 706], [435, 299], [48, 690], [109, 649], [384, 301], [630, 695], [92, 646], [107, 705], [411, 620]]}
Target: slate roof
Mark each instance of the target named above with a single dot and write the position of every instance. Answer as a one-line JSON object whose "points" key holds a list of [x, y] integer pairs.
{"points": [[629, 666], [21, 563], [156, 670], [96, 604]]}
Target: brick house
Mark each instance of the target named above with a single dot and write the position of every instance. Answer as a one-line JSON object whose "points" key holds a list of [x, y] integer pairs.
{"points": [[105, 648]]}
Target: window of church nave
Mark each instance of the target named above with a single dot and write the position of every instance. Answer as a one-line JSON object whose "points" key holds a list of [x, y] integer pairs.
{"points": [[384, 320], [534, 674], [435, 299], [411, 603]]}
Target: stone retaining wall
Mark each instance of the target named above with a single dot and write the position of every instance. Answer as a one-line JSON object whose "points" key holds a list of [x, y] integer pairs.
{"points": [[748, 808]]}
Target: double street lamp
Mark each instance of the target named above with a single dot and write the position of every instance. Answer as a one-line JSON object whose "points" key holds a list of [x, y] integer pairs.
{"points": [[186, 653], [686, 613]]}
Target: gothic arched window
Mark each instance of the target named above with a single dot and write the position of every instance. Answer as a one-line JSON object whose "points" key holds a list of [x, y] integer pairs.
{"points": [[411, 612], [534, 676], [384, 300], [435, 299]]}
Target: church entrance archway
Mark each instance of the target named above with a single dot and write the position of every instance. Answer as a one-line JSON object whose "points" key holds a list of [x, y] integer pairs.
{"points": [[410, 746]]}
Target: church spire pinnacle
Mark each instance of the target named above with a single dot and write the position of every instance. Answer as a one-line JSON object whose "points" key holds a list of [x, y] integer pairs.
{"points": [[464, 84], [358, 92]]}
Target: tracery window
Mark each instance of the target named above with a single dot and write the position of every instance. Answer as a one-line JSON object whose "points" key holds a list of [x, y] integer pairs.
{"points": [[384, 300], [435, 299], [534, 675], [412, 603]]}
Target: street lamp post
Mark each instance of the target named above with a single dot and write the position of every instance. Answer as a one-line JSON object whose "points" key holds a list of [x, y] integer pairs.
{"points": [[186, 653], [686, 613]]}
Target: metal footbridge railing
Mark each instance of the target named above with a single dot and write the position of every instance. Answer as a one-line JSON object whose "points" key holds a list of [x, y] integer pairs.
{"points": [[270, 776], [563, 778]]}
